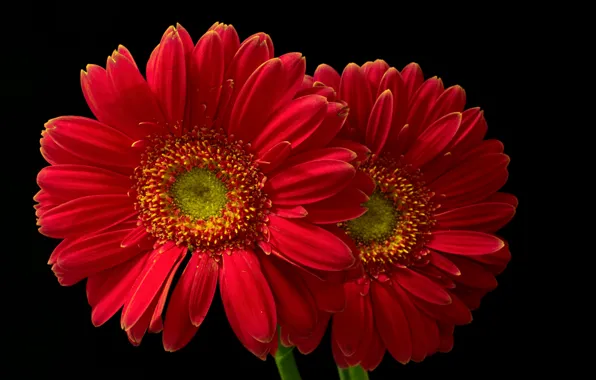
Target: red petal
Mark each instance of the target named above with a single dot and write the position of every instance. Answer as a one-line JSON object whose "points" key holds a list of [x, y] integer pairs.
{"points": [[309, 245], [294, 66], [256, 101], [473, 275], [484, 217], [56, 155], [92, 141], [345, 205], [294, 123], [149, 283], [361, 150], [169, 79], [452, 100], [503, 198], [85, 215], [376, 351], [327, 74], [107, 290], [330, 153], [68, 182], [295, 306], [355, 322], [334, 120], [364, 182], [421, 103], [290, 212], [206, 74], [413, 78], [135, 237], [308, 344], [391, 322], [246, 295], [134, 102], [471, 175], [374, 72], [422, 287], [392, 80], [178, 330], [354, 89], [446, 332], [379, 122], [433, 140], [309, 182], [203, 288], [455, 313], [465, 242], [471, 131], [275, 156], [443, 263], [230, 40], [156, 323], [416, 323], [91, 254]]}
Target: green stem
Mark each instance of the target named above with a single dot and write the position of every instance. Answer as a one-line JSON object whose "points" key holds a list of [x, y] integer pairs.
{"points": [[352, 373], [286, 365]]}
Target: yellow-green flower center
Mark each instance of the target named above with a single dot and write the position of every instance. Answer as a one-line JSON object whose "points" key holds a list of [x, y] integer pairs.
{"points": [[378, 223], [199, 193]]}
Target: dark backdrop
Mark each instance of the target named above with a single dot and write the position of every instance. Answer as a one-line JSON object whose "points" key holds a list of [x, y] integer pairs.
{"points": [[465, 48]]}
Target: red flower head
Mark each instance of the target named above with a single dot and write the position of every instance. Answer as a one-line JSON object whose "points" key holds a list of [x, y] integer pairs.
{"points": [[214, 157], [427, 247]]}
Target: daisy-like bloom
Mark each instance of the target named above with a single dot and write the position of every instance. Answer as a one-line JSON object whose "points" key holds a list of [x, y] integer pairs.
{"points": [[215, 158], [427, 246]]}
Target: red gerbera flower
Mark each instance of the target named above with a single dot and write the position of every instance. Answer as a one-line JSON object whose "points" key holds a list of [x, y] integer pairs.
{"points": [[215, 156], [427, 246]]}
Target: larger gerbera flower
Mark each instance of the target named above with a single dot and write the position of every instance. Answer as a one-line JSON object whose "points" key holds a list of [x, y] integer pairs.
{"points": [[426, 246], [212, 157]]}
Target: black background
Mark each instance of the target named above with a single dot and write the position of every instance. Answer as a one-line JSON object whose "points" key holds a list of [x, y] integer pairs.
{"points": [[465, 48]]}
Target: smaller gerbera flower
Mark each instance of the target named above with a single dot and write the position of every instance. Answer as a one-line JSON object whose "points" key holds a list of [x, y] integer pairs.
{"points": [[427, 247], [213, 157]]}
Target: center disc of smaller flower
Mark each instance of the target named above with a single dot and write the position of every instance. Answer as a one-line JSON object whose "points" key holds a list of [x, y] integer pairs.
{"points": [[201, 190], [199, 193], [378, 223], [399, 219]]}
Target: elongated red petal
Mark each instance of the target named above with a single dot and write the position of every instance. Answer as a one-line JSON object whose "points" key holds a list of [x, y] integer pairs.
{"points": [[451, 100], [455, 313], [420, 104], [275, 156], [135, 101], [91, 254], [206, 74], [309, 245], [230, 40], [329, 153], [503, 198], [256, 101], [473, 275], [418, 332], [156, 322], [68, 182], [178, 329], [413, 78], [391, 322], [354, 89], [295, 306], [306, 345], [422, 287], [374, 72], [374, 354], [309, 182], [169, 78], [247, 295], [290, 212], [203, 288], [379, 122], [334, 120], [294, 122], [434, 139], [149, 282], [472, 130], [107, 290], [465, 242], [327, 74], [484, 217], [84, 215], [444, 263], [335, 209], [92, 141], [354, 323]]}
